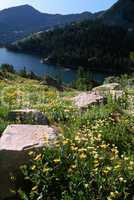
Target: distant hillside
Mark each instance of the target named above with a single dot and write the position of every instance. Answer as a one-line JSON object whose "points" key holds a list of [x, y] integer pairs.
{"points": [[20, 21], [121, 14], [89, 44]]}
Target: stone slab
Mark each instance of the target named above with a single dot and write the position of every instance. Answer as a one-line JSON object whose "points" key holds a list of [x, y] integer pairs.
{"points": [[15, 143]]}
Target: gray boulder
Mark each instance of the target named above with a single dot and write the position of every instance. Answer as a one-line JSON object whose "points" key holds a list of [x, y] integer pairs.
{"points": [[107, 87], [86, 99], [15, 143], [28, 116], [112, 89]]}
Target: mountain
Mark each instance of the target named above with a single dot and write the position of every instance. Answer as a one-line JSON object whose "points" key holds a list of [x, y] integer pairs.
{"points": [[120, 14], [17, 22]]}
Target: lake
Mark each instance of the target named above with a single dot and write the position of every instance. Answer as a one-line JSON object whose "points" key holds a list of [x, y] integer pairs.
{"points": [[32, 63]]}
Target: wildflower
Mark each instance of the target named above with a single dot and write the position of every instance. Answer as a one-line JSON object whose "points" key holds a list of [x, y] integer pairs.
{"points": [[109, 198], [130, 168], [46, 169], [86, 185], [114, 150], [117, 167], [96, 155], [38, 157], [33, 167], [66, 141], [103, 146], [30, 153], [95, 169], [12, 178], [74, 148], [34, 188], [90, 148], [73, 166], [77, 138], [107, 170], [126, 158], [121, 179], [131, 163], [96, 163], [112, 194], [82, 156], [82, 150], [56, 161]]}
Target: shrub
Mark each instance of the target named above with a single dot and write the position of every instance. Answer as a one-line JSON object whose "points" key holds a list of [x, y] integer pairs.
{"points": [[7, 68]]}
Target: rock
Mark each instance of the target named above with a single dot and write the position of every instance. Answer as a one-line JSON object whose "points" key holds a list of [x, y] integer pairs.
{"points": [[116, 94], [112, 89], [28, 116], [107, 87], [15, 143], [86, 99]]}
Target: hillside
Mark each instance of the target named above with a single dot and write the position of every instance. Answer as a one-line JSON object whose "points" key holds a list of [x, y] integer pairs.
{"points": [[89, 44], [20, 21], [120, 14], [92, 156]]}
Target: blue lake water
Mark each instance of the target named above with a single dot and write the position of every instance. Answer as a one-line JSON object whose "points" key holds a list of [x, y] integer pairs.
{"points": [[32, 63]]}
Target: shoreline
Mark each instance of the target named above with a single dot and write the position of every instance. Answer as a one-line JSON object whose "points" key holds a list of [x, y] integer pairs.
{"points": [[102, 70]]}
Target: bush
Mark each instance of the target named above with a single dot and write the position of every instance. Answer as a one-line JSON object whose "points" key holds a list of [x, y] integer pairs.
{"points": [[7, 68]]}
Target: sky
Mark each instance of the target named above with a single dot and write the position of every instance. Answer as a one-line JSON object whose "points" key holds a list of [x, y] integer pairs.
{"points": [[61, 6]]}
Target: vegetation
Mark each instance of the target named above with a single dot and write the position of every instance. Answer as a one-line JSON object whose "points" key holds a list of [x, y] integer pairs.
{"points": [[93, 155], [84, 80], [89, 44]]}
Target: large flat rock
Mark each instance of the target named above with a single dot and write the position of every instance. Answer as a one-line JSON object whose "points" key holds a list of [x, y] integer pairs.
{"points": [[15, 143], [21, 137]]}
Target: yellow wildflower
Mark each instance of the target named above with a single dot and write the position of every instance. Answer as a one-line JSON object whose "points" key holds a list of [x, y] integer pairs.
{"points": [[112, 194], [117, 167], [82, 150], [86, 185], [46, 169], [126, 158], [121, 179], [34, 188], [33, 167], [30, 153], [66, 141], [56, 161], [103, 146], [73, 166], [77, 138], [38, 157], [82, 156]]}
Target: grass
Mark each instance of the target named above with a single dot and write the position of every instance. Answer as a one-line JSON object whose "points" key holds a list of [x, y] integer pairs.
{"points": [[93, 155]]}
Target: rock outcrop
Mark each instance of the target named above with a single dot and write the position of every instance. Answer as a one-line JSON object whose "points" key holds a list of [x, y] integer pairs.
{"points": [[15, 143]]}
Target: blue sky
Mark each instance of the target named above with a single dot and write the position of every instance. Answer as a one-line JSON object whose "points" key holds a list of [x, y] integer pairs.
{"points": [[61, 6]]}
